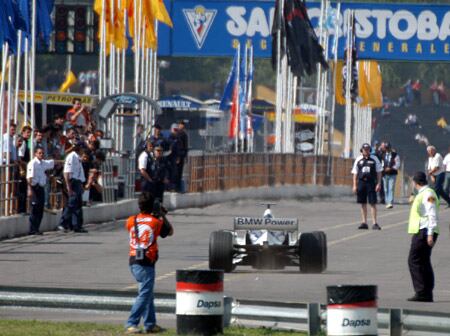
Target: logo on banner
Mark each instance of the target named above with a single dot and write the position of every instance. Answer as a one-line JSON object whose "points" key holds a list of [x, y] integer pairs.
{"points": [[200, 21]]}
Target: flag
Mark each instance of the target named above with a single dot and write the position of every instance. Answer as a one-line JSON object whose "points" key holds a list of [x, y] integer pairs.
{"points": [[249, 91], [7, 29], [304, 51], [340, 91], [229, 86], [120, 36], [243, 95], [351, 53], [44, 23], [159, 11], [369, 84], [69, 81], [234, 111]]}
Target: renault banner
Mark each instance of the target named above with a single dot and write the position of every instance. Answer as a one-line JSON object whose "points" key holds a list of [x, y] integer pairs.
{"points": [[384, 31]]}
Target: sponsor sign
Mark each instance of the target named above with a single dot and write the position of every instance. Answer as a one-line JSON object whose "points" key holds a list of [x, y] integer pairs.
{"points": [[57, 98], [273, 224], [384, 31], [358, 321], [194, 303]]}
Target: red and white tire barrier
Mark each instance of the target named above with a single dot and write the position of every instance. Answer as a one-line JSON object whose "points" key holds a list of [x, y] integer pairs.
{"points": [[352, 310], [199, 302]]}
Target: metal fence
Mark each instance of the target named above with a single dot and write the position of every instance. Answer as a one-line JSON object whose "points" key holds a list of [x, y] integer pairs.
{"points": [[307, 317], [229, 171]]}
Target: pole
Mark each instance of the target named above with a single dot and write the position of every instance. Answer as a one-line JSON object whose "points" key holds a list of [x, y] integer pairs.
{"points": [[16, 91], [5, 49], [279, 79], [238, 116], [33, 70], [26, 66]]}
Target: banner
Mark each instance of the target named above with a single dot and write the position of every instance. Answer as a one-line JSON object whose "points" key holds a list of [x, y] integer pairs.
{"points": [[406, 32]]}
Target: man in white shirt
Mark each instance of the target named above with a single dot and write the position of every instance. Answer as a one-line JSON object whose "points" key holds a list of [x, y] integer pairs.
{"points": [[446, 163], [424, 228], [144, 162], [436, 172], [9, 144], [37, 179], [72, 217]]}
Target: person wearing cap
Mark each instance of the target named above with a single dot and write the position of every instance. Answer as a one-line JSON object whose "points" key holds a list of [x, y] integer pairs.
{"points": [[182, 153], [366, 183], [158, 172], [72, 216], [157, 139], [144, 161], [390, 161], [37, 180], [436, 172], [424, 228], [173, 157]]}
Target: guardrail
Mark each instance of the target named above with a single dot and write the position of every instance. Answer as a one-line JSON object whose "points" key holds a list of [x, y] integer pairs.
{"points": [[306, 317]]}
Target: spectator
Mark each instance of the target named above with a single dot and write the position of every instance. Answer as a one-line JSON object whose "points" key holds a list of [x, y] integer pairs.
{"points": [[390, 161], [435, 93], [174, 149], [78, 116], [157, 139], [416, 86], [9, 145], [409, 96], [446, 163], [158, 171], [441, 92], [411, 120], [421, 139], [21, 177], [53, 132], [24, 150], [74, 179], [40, 142], [37, 180], [144, 163], [436, 172], [182, 153], [140, 139]]}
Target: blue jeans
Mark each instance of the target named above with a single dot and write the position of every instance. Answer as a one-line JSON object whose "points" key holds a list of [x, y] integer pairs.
{"points": [[72, 216], [439, 187], [389, 188], [143, 306]]}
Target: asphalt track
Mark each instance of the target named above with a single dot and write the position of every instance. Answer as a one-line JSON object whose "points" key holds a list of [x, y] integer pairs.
{"points": [[99, 259]]}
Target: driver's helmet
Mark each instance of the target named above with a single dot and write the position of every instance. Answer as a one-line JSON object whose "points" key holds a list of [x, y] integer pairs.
{"points": [[268, 214]]}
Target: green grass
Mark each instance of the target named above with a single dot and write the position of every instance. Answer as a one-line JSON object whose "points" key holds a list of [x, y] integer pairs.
{"points": [[39, 328]]}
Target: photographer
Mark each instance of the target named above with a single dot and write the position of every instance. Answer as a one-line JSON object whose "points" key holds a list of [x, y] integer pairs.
{"points": [[143, 230]]}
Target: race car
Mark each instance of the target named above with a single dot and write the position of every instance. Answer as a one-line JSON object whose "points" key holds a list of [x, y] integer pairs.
{"points": [[268, 243]]}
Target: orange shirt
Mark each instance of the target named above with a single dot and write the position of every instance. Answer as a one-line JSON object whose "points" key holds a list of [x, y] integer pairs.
{"points": [[149, 228]]}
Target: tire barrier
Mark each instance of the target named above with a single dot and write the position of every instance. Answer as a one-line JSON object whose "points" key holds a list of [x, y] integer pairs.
{"points": [[352, 310], [199, 302]]}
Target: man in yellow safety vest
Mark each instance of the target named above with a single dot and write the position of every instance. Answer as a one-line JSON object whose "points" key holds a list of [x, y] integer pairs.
{"points": [[423, 225]]}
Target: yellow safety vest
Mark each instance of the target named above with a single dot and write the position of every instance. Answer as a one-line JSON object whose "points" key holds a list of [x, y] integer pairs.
{"points": [[414, 214]]}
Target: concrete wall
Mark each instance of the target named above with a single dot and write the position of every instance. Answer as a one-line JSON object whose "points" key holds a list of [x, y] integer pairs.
{"points": [[18, 225]]}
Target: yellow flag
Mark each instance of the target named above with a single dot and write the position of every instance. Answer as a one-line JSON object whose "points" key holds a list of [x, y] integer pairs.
{"points": [[6, 78], [370, 84], [120, 38], [70, 80], [340, 99], [162, 14]]}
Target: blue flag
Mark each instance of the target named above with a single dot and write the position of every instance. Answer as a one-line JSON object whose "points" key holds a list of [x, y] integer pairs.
{"points": [[24, 10], [44, 21], [231, 81], [7, 29]]}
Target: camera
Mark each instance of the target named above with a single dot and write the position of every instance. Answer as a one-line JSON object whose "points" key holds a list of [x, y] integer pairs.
{"points": [[140, 253]]}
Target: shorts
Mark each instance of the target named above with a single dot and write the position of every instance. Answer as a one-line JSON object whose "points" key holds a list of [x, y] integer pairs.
{"points": [[366, 193]]}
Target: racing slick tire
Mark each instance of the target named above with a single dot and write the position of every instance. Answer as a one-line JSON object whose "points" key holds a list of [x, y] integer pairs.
{"points": [[221, 251], [312, 252]]}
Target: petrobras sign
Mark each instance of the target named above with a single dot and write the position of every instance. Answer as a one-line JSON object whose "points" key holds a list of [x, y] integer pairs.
{"points": [[384, 31]]}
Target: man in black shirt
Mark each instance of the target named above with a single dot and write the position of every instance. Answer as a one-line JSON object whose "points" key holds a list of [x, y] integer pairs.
{"points": [[366, 183], [182, 153]]}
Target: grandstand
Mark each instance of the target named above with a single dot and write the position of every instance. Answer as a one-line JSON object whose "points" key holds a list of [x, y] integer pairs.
{"points": [[390, 125]]}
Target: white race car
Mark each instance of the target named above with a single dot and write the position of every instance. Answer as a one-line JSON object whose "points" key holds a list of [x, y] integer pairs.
{"points": [[268, 243]]}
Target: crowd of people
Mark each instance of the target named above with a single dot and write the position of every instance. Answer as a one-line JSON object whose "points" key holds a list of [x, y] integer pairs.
{"points": [[54, 141], [161, 159]]}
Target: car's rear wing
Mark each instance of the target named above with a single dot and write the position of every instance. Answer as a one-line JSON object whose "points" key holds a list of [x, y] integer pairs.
{"points": [[272, 224]]}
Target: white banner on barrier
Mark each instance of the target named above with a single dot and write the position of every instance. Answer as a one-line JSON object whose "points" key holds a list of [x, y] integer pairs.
{"points": [[360, 321], [193, 303]]}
